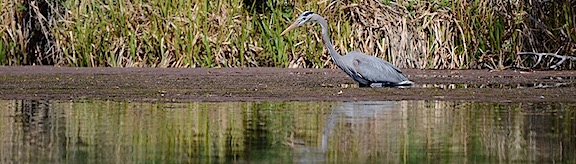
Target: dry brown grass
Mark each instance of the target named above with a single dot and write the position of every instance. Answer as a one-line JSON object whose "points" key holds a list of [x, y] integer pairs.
{"points": [[461, 34]]}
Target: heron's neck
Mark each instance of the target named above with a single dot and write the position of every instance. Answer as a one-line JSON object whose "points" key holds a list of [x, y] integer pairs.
{"points": [[326, 38]]}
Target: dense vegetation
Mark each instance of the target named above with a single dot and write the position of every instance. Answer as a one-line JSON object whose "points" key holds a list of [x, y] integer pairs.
{"points": [[430, 34]]}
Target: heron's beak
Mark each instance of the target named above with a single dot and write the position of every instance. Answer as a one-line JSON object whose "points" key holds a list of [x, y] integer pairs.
{"points": [[292, 26]]}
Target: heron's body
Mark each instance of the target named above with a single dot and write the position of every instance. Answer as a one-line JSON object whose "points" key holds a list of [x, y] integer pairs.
{"points": [[369, 70], [365, 69]]}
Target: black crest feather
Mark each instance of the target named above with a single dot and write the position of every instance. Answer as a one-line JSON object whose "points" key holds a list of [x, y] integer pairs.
{"points": [[307, 13]]}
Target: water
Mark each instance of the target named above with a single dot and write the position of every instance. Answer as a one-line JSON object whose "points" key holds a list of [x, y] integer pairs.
{"points": [[36, 131], [499, 86]]}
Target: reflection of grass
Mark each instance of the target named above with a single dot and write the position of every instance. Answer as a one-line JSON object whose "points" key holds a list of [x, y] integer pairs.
{"points": [[194, 132], [416, 131], [416, 154]]}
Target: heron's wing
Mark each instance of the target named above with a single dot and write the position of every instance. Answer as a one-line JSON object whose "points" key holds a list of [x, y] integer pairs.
{"points": [[376, 70]]}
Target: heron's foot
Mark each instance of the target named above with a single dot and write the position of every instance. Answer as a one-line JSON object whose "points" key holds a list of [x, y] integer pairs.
{"points": [[389, 85]]}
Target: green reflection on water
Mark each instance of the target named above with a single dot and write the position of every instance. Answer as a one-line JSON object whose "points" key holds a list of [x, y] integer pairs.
{"points": [[286, 132]]}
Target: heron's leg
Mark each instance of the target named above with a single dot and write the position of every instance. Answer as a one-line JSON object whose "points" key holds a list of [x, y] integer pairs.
{"points": [[364, 85]]}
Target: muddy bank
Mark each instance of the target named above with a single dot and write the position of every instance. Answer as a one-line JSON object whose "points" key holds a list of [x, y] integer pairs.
{"points": [[277, 84]]}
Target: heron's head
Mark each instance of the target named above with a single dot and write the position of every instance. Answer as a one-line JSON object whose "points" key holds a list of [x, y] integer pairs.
{"points": [[304, 18]]}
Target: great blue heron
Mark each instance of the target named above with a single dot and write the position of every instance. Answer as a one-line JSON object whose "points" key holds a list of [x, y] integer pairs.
{"points": [[365, 69]]}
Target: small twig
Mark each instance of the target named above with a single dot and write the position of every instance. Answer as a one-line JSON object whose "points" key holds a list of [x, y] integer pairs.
{"points": [[540, 55]]}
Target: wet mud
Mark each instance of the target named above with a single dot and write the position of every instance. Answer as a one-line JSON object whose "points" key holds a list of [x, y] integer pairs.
{"points": [[278, 84]]}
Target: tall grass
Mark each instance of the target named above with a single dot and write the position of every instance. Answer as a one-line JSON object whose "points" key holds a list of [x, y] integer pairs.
{"points": [[245, 33], [175, 34]]}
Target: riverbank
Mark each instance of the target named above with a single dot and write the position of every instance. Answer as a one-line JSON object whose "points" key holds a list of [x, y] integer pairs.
{"points": [[277, 84]]}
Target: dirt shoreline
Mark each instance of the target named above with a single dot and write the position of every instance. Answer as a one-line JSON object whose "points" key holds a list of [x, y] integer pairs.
{"points": [[277, 84]]}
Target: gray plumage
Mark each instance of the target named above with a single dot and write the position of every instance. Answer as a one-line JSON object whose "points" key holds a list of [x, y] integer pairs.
{"points": [[365, 69]]}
